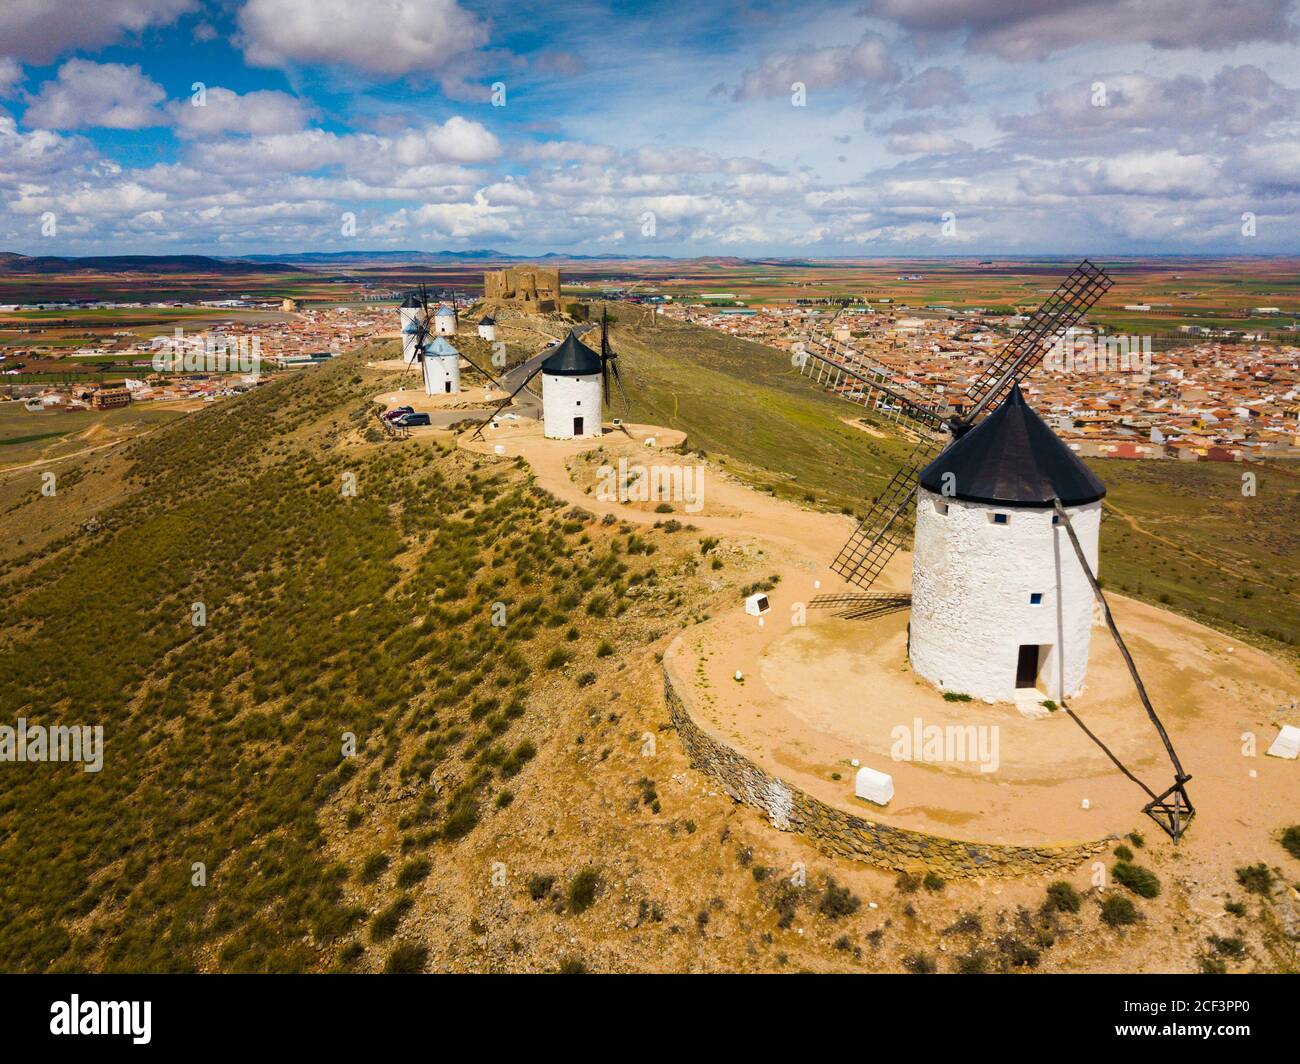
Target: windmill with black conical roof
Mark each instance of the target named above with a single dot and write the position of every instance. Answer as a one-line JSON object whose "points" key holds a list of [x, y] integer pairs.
{"points": [[1006, 527]]}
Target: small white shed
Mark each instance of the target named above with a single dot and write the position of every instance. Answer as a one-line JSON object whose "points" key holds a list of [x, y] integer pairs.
{"points": [[757, 604], [874, 786]]}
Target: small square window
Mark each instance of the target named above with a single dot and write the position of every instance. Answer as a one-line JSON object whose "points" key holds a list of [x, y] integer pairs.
{"points": [[941, 508], [999, 519], [1056, 519], [1035, 598]]}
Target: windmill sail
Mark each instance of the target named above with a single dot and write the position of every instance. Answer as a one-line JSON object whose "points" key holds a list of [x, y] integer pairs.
{"points": [[880, 535]]}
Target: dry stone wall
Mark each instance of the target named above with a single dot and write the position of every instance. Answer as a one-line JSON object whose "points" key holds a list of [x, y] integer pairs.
{"points": [[843, 834]]}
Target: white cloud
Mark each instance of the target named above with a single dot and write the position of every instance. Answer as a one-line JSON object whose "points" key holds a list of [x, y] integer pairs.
{"points": [[86, 94], [224, 111], [11, 73], [832, 66], [39, 31], [926, 143], [1018, 30], [462, 220], [390, 37]]}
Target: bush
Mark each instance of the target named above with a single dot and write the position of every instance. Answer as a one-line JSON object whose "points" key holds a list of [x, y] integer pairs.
{"points": [[583, 888], [1141, 881], [383, 925], [1291, 841], [406, 959], [1234, 947], [1062, 898], [573, 966], [838, 901], [460, 821], [1258, 878], [1118, 910], [955, 696], [933, 881], [920, 964], [1123, 852], [412, 872], [539, 886], [906, 882], [373, 868]]}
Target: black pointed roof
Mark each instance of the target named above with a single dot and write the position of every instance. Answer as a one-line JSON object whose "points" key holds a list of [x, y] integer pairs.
{"points": [[572, 358], [411, 302], [1012, 458]]}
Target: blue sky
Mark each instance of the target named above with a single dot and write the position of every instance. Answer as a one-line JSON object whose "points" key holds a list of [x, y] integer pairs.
{"points": [[891, 127]]}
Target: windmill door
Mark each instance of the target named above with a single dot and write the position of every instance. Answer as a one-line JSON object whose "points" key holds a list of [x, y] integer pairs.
{"points": [[1027, 665], [577, 426]]}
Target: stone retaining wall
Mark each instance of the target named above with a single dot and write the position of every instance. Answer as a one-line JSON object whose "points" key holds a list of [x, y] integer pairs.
{"points": [[843, 834]]}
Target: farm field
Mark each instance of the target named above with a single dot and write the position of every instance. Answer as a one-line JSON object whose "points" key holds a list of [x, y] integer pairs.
{"points": [[27, 437]]}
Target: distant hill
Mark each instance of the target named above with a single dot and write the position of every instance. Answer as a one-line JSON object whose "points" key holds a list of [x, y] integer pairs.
{"points": [[334, 258], [11, 263]]}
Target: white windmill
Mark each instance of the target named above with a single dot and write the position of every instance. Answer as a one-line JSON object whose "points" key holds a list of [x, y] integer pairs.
{"points": [[575, 386], [410, 314], [444, 321], [441, 367], [1006, 529], [1000, 603]]}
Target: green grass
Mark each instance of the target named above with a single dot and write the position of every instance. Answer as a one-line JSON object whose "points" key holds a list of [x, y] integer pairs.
{"points": [[744, 400], [223, 743]]}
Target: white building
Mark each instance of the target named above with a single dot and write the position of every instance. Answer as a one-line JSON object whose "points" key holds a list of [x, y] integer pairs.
{"points": [[409, 313], [571, 391], [441, 367], [487, 328], [1000, 604], [444, 321]]}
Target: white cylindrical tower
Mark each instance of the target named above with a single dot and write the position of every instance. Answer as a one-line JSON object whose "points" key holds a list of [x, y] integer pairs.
{"points": [[487, 329], [571, 391], [409, 316], [1001, 607], [441, 367], [444, 321]]}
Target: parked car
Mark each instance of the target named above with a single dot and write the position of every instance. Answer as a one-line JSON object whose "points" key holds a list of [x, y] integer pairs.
{"points": [[407, 421], [396, 412]]}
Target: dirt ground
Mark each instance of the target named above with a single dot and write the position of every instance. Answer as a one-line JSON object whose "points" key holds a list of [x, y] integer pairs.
{"points": [[816, 696]]}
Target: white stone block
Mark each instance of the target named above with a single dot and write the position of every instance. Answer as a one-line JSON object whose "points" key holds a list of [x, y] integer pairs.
{"points": [[874, 786], [1287, 743]]}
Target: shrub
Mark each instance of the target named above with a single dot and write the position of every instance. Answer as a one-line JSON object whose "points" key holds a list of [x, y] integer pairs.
{"points": [[838, 901], [1062, 897], [1212, 966], [604, 649], [1123, 852], [663, 508], [933, 881], [906, 882], [573, 966], [920, 964], [1118, 910], [373, 868], [586, 679], [539, 886], [558, 658], [976, 962], [412, 872], [409, 958], [461, 820], [582, 891], [383, 925], [1141, 881], [1291, 841], [1234, 947], [955, 696], [1258, 878]]}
